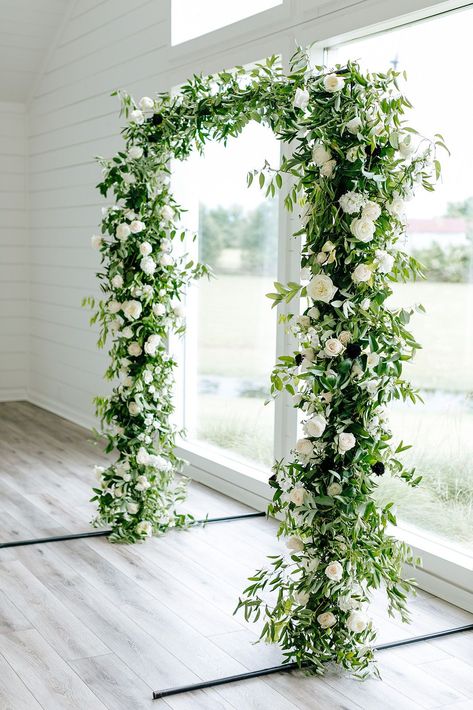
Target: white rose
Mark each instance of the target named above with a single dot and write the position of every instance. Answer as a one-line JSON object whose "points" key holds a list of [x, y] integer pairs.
{"points": [[328, 168], [144, 528], [136, 226], [137, 117], [320, 154], [148, 265], [384, 261], [117, 281], [160, 463], [148, 290], [132, 508], [166, 260], [146, 103], [303, 321], [333, 83], [127, 332], [135, 152], [396, 207], [314, 312], [128, 178], [315, 427], [333, 347], [321, 288], [301, 598], [365, 304], [166, 245], [134, 349], [132, 309], [344, 337], [122, 231], [113, 306], [372, 386], [96, 241], [301, 99], [308, 354], [362, 273], [142, 483], [326, 620], [363, 229], [147, 377], [128, 382], [371, 210], [304, 447], [346, 441], [295, 544], [159, 310], [167, 212], [152, 344], [351, 202], [134, 408], [357, 622], [296, 496], [373, 359], [354, 125], [334, 571], [145, 248], [142, 457], [352, 154], [334, 489]]}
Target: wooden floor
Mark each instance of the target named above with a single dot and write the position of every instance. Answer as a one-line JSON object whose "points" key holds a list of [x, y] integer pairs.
{"points": [[89, 625]]}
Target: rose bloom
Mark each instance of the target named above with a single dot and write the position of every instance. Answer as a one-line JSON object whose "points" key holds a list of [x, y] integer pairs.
{"points": [[132, 508], [314, 312], [128, 178], [135, 152], [396, 206], [113, 306], [134, 408], [352, 154], [144, 528], [346, 441], [166, 260], [327, 169], [354, 125], [321, 288], [166, 245], [145, 248], [296, 496], [132, 309], [326, 620], [334, 489], [152, 344], [344, 337], [301, 99], [122, 231], [301, 598], [303, 321], [333, 347], [334, 571], [315, 427], [308, 354], [142, 457], [304, 447], [357, 622], [295, 544], [134, 349], [371, 210], [159, 310], [146, 103], [136, 226], [117, 281], [137, 117], [363, 229], [96, 241], [384, 261], [361, 274], [351, 202], [320, 154], [147, 377], [148, 265], [167, 212], [333, 83]]}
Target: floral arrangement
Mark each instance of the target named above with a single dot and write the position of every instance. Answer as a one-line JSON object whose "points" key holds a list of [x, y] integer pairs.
{"points": [[354, 164]]}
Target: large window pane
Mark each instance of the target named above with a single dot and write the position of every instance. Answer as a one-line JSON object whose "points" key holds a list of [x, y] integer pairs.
{"points": [[436, 56], [231, 338], [192, 18]]}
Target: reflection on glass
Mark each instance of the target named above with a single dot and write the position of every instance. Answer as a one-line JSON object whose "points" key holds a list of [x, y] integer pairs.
{"points": [[191, 18], [231, 340], [440, 235]]}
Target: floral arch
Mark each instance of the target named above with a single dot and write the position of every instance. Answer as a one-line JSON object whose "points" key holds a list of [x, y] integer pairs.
{"points": [[352, 166]]}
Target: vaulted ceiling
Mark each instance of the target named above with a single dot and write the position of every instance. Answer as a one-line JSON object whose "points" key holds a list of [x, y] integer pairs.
{"points": [[27, 29]]}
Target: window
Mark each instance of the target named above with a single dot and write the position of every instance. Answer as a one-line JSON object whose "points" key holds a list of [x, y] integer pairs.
{"points": [[440, 234], [230, 346], [191, 18]]}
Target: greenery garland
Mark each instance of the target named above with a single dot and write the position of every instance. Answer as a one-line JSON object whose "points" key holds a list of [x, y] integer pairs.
{"points": [[353, 165]]}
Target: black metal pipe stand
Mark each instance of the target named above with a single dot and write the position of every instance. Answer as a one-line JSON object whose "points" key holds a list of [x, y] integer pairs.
{"points": [[287, 667], [106, 533]]}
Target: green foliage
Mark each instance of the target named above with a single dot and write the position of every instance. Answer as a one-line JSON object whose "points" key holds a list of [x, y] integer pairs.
{"points": [[450, 264]]}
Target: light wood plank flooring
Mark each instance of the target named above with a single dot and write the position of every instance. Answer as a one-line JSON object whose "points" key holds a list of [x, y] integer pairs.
{"points": [[87, 625]]}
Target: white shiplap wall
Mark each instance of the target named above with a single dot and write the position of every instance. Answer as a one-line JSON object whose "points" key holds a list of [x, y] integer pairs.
{"points": [[14, 289], [104, 46]]}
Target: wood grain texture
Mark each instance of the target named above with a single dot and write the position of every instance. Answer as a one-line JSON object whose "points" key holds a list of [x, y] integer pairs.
{"points": [[87, 624]]}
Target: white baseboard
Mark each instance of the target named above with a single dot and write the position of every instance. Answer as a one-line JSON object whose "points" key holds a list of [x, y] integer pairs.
{"points": [[62, 410], [13, 395]]}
